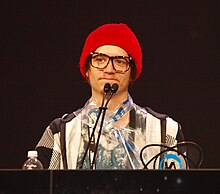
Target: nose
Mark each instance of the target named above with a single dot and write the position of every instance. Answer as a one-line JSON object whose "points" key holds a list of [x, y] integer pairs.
{"points": [[109, 68]]}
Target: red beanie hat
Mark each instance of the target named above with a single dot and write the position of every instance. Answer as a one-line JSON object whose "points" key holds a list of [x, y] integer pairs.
{"points": [[113, 34]]}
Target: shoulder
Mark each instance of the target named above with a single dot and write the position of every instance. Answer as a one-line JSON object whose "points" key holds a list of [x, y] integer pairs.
{"points": [[58, 123], [147, 110], [156, 114]]}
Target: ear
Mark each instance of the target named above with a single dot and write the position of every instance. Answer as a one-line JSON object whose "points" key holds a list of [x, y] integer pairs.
{"points": [[87, 74], [87, 77], [131, 80]]}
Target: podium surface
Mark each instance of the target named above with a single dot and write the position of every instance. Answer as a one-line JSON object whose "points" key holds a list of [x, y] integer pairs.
{"points": [[110, 181]]}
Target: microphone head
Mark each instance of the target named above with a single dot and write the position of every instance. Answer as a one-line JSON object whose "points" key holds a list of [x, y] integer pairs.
{"points": [[107, 88], [114, 88]]}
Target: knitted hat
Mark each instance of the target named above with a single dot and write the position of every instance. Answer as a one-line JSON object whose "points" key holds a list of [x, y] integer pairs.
{"points": [[113, 34]]}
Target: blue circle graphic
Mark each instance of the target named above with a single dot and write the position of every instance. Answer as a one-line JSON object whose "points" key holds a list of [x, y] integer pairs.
{"points": [[171, 156]]}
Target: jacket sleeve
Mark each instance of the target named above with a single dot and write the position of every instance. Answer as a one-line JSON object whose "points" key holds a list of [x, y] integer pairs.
{"points": [[52, 145], [45, 147], [179, 136], [49, 146]]}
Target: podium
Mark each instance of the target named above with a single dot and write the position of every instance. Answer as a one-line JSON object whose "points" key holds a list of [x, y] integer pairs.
{"points": [[205, 181]]}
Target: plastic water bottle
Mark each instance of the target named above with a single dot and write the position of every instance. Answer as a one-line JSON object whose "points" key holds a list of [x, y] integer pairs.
{"points": [[32, 163]]}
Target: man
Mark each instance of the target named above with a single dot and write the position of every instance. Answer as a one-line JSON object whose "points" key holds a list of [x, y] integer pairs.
{"points": [[110, 131]]}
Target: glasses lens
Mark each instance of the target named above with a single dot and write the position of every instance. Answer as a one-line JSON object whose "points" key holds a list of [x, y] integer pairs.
{"points": [[121, 63], [99, 61]]}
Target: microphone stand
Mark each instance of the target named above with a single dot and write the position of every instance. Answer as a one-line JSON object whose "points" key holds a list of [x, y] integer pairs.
{"points": [[107, 89], [114, 89]]}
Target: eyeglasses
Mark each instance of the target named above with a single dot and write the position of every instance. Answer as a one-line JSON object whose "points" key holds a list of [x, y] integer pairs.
{"points": [[121, 64]]}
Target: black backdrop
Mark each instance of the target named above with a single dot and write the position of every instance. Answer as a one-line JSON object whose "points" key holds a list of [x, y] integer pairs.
{"points": [[42, 42]]}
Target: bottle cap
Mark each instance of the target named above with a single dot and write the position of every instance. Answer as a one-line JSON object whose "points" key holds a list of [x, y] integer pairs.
{"points": [[32, 153]]}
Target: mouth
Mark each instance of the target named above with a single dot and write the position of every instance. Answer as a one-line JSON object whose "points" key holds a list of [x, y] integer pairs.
{"points": [[108, 79]]}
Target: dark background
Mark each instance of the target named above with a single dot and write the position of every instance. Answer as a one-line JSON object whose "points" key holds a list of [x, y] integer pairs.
{"points": [[42, 43]]}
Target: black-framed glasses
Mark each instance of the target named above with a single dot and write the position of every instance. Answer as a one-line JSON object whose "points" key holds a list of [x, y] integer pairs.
{"points": [[121, 64]]}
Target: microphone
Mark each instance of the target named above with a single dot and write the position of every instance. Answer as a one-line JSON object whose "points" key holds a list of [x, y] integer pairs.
{"points": [[113, 90], [107, 88]]}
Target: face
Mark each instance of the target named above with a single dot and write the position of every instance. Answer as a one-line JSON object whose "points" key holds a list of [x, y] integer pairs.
{"points": [[98, 78]]}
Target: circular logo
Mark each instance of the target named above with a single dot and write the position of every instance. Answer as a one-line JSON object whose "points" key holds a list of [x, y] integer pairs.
{"points": [[171, 161]]}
